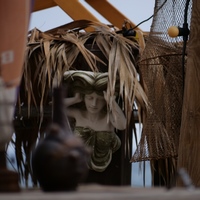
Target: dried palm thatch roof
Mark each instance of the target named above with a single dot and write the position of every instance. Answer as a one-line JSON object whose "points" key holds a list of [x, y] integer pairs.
{"points": [[55, 52], [49, 54]]}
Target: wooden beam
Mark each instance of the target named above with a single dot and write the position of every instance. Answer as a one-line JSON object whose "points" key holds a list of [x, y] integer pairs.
{"points": [[43, 4], [76, 10], [107, 10]]}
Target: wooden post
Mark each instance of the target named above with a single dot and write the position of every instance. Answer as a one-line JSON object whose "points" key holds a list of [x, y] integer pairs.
{"points": [[14, 20], [189, 146]]}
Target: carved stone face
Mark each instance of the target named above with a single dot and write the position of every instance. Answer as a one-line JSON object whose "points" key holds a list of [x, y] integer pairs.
{"points": [[94, 103]]}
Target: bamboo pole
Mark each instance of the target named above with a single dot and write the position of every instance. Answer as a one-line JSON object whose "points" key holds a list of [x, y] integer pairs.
{"points": [[189, 146]]}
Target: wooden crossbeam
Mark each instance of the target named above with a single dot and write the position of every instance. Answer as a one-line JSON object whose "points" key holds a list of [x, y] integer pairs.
{"points": [[76, 10], [43, 4], [113, 15]]}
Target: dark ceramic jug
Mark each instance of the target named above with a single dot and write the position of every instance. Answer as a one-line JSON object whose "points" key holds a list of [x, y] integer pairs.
{"points": [[59, 162]]}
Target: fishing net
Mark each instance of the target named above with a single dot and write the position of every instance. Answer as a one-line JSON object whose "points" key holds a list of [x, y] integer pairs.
{"points": [[162, 74]]}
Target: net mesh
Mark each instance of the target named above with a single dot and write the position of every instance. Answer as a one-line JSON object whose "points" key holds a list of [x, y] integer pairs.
{"points": [[162, 76]]}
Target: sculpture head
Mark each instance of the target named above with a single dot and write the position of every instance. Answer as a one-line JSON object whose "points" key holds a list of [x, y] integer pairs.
{"points": [[91, 86]]}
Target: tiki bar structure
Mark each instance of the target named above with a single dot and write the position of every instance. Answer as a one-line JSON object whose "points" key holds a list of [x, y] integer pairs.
{"points": [[148, 79]]}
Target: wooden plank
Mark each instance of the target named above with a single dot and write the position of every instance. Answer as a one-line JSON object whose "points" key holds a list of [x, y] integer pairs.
{"points": [[189, 148], [97, 192], [76, 10], [14, 20], [43, 4], [113, 15]]}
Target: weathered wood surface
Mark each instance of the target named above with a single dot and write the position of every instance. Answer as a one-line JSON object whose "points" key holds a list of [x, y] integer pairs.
{"points": [[189, 148], [97, 192]]}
